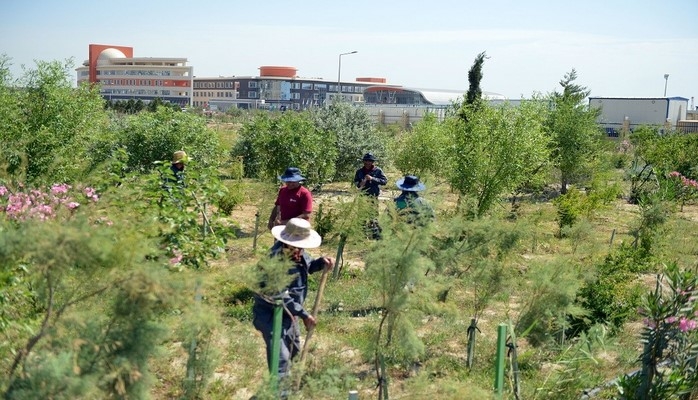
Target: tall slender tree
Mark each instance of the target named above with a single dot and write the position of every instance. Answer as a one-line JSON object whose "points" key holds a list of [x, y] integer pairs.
{"points": [[474, 94], [575, 135]]}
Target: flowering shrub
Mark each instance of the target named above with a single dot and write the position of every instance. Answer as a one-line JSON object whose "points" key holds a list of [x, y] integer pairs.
{"points": [[41, 205], [670, 338], [685, 189]]}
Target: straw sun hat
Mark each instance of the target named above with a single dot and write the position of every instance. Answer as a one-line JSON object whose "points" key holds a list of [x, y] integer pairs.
{"points": [[297, 233]]}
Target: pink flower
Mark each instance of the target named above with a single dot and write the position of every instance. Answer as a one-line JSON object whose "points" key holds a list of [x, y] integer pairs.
{"points": [[686, 325], [3, 190], [670, 320], [674, 174], [177, 257], [58, 189], [73, 205]]}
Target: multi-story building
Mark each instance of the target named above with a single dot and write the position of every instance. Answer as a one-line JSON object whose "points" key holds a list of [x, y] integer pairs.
{"points": [[124, 77], [276, 87]]}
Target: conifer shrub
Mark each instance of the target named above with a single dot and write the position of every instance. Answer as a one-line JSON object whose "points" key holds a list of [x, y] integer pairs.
{"points": [[324, 221], [233, 196], [613, 295], [574, 205]]}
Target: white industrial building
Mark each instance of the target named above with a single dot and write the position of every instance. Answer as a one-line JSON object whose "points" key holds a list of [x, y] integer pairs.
{"points": [[618, 113]]}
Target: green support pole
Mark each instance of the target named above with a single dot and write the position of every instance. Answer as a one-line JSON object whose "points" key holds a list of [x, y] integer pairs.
{"points": [[500, 361], [276, 346]]}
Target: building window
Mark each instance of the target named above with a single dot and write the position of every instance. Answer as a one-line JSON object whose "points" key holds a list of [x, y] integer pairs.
{"points": [[295, 96], [252, 84], [252, 95], [320, 86], [307, 86], [295, 85]]}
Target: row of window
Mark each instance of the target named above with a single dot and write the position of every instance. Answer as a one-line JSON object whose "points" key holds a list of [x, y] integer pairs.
{"points": [[135, 72], [266, 85], [218, 94], [213, 85], [142, 92], [255, 95], [131, 82]]}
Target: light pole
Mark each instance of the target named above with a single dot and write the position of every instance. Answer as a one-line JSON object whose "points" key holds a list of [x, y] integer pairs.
{"points": [[666, 81], [339, 73]]}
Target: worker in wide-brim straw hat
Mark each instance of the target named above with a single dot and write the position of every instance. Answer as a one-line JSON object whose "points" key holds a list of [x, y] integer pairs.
{"points": [[410, 204], [179, 161], [291, 241]]}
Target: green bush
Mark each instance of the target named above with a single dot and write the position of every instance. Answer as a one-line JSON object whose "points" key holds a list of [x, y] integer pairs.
{"points": [[150, 137], [234, 196], [614, 294], [573, 205], [268, 144], [353, 134]]}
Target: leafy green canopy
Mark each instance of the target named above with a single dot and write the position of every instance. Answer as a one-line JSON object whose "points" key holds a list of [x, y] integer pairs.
{"points": [[270, 143], [497, 150], [45, 124], [575, 135], [354, 135], [325, 143], [52, 132]]}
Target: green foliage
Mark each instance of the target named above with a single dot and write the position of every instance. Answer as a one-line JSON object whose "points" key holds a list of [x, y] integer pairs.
{"points": [[190, 230], [347, 219], [613, 294], [496, 151], [474, 77], [670, 339], [654, 213], [397, 263], [67, 355], [668, 152], [579, 366], [150, 137], [269, 276], [324, 221], [271, 143], [544, 314], [238, 299], [198, 331], [46, 125], [574, 205], [331, 380], [423, 150], [575, 135], [231, 198], [353, 133]]}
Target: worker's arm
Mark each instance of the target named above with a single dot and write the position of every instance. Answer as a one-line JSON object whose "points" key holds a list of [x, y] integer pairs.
{"points": [[273, 217]]}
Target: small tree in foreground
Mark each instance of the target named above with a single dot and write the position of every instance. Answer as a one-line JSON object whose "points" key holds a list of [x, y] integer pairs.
{"points": [[71, 350], [670, 337], [397, 263]]}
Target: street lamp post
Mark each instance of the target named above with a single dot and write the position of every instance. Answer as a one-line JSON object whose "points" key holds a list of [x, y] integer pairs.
{"points": [[666, 81], [339, 73]]}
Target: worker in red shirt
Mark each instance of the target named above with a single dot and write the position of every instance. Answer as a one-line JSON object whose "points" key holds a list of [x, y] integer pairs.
{"points": [[293, 200]]}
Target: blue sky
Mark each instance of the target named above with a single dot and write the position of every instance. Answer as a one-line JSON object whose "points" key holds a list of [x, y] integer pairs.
{"points": [[619, 48]]}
